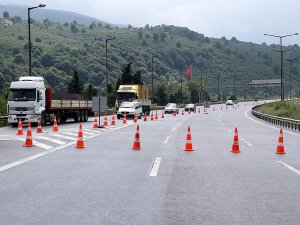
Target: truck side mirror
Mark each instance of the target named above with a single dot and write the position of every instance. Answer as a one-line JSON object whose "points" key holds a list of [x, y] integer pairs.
{"points": [[38, 96]]}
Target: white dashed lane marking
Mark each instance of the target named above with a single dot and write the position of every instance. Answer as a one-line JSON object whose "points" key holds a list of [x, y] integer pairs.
{"points": [[155, 167]]}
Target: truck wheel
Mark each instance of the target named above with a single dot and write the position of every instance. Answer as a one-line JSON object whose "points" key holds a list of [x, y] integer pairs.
{"points": [[81, 116], [86, 116], [77, 117], [119, 117], [58, 118], [43, 120], [14, 124]]}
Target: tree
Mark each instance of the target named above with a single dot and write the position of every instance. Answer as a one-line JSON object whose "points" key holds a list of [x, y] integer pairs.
{"points": [[75, 86], [163, 36], [155, 36], [90, 91], [126, 77], [137, 78], [5, 15], [161, 96], [74, 29]]}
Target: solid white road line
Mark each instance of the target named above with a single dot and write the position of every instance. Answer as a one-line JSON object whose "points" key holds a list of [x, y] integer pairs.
{"points": [[289, 167], [247, 142], [166, 139], [266, 124], [22, 161], [25, 160], [62, 136], [155, 167]]}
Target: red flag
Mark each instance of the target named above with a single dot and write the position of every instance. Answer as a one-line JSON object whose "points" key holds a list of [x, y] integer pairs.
{"points": [[189, 72]]}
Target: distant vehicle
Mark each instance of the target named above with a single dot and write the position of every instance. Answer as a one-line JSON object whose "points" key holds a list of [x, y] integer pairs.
{"points": [[134, 93], [190, 107], [171, 108], [229, 102], [130, 108]]}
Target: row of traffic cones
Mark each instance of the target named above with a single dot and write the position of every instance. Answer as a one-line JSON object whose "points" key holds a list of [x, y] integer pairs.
{"points": [[39, 127], [189, 146]]}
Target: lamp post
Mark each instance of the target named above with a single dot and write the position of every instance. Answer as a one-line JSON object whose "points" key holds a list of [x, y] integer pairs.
{"points": [[29, 35], [281, 60], [218, 87], [106, 80], [290, 61], [152, 94]]}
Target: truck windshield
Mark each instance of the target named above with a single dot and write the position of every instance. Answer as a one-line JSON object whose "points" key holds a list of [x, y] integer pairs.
{"points": [[126, 96], [22, 95]]}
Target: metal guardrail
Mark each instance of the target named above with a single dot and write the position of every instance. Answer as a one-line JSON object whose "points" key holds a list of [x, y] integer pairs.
{"points": [[3, 120], [280, 121]]}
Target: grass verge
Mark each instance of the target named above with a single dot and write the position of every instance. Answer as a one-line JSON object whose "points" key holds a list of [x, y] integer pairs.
{"points": [[287, 109]]}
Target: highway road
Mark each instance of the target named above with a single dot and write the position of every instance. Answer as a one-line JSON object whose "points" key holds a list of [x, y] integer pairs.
{"points": [[109, 183]]}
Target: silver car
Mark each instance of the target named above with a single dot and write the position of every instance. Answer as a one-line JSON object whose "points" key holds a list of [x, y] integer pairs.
{"points": [[171, 108]]}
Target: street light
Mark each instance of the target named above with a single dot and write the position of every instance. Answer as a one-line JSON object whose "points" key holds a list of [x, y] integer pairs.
{"points": [[106, 80], [29, 36], [290, 61], [152, 94], [281, 60]]}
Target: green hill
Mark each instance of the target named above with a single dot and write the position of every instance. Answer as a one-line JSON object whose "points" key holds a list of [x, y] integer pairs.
{"points": [[59, 49]]}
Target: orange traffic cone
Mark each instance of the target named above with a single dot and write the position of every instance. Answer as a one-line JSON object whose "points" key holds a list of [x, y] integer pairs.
{"points": [[199, 110], [95, 123], [39, 128], [189, 145], [235, 146], [113, 122], [151, 116], [182, 112], [189, 111], [124, 118], [174, 113], [20, 129], [156, 116], [80, 143], [29, 142], [145, 117], [162, 115], [280, 146], [194, 110], [136, 144], [105, 120], [135, 119], [55, 127]]}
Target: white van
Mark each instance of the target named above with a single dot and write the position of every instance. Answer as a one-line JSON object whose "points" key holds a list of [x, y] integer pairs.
{"points": [[130, 108]]}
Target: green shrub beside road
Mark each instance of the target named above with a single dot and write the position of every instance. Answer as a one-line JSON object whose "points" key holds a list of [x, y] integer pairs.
{"points": [[287, 109]]}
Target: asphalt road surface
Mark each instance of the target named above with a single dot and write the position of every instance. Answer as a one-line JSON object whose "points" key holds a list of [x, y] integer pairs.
{"points": [[109, 183]]}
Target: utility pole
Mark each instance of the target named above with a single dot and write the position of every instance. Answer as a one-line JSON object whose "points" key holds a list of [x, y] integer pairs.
{"points": [[281, 60], [218, 87], [290, 61]]}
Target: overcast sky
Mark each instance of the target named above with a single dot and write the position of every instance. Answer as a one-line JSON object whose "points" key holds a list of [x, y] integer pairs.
{"points": [[247, 20]]}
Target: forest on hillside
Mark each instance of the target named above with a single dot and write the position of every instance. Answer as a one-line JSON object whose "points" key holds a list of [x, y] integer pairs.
{"points": [[58, 50]]}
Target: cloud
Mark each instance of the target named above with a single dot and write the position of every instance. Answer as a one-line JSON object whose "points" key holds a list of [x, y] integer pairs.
{"points": [[246, 20]]}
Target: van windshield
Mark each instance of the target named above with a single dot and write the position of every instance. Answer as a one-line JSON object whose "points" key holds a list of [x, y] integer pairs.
{"points": [[127, 105], [22, 95]]}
